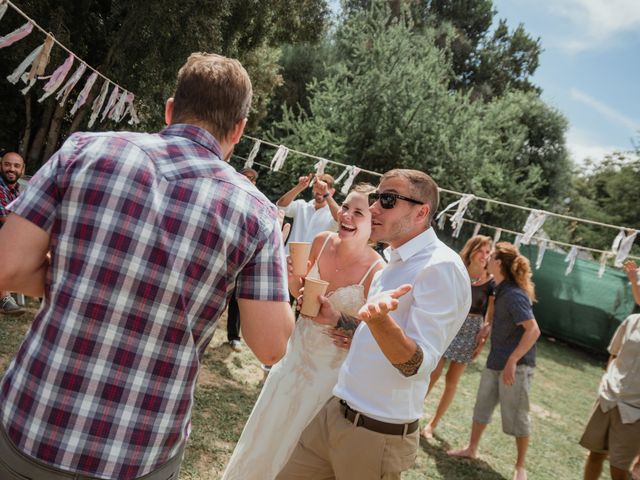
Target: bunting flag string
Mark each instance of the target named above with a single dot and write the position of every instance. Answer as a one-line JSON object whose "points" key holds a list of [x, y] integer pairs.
{"points": [[476, 229], [38, 59], [542, 247], [535, 221], [320, 166], [625, 247], [98, 102], [571, 259], [353, 172], [278, 159], [603, 263]]}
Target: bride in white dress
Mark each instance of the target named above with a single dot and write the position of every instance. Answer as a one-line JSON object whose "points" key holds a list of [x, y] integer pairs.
{"points": [[301, 383]]}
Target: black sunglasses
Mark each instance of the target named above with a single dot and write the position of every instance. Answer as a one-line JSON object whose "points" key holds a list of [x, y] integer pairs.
{"points": [[388, 199]]}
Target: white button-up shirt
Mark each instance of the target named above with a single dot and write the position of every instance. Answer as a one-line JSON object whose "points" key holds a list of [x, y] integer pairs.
{"points": [[308, 221], [620, 385], [431, 315]]}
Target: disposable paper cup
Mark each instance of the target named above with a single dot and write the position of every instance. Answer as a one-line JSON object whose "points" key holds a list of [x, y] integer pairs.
{"points": [[299, 252], [313, 288]]}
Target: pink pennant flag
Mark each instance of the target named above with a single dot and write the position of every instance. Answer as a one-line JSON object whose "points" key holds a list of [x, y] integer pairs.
{"points": [[110, 103], [16, 35], [98, 102], [66, 90], [56, 78], [84, 93]]}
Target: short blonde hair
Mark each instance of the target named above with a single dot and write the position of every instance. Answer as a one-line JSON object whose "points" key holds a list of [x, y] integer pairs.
{"points": [[214, 90], [421, 186]]}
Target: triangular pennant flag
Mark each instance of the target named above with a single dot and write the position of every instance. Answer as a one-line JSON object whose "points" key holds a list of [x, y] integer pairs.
{"points": [[353, 172], [476, 229], [253, 154], [542, 247], [84, 93], [320, 166], [442, 221], [98, 102], [496, 236], [118, 108], [603, 264], [456, 231], [571, 259], [625, 248], [16, 35], [534, 222], [68, 86], [17, 73], [40, 63], [278, 159], [110, 103], [56, 78]]}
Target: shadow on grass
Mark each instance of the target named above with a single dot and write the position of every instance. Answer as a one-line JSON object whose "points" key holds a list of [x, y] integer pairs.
{"points": [[455, 468], [567, 355]]}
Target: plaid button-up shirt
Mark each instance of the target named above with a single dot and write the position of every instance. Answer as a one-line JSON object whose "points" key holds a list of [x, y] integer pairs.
{"points": [[148, 235], [7, 195]]}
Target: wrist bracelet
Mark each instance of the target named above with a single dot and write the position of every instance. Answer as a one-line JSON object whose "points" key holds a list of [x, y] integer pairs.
{"points": [[326, 195]]}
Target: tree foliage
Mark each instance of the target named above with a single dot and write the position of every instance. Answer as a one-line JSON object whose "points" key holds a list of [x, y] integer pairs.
{"points": [[141, 45], [386, 102]]}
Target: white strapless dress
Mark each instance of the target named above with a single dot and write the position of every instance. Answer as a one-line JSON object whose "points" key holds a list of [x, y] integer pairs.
{"points": [[295, 390]]}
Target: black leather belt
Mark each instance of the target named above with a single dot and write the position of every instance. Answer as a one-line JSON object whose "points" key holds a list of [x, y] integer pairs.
{"points": [[360, 420]]}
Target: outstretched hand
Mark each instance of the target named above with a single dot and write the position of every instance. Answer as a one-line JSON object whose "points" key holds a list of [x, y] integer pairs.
{"points": [[379, 306]]}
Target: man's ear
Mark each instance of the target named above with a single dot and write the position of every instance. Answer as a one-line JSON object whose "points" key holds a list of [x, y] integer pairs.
{"points": [[423, 213], [168, 111], [236, 133]]}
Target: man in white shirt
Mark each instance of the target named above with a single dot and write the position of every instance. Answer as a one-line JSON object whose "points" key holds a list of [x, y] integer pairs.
{"points": [[313, 216], [369, 430]]}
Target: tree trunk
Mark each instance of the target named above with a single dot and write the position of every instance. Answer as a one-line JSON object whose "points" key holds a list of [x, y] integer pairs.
{"points": [[54, 132], [34, 159], [24, 143]]}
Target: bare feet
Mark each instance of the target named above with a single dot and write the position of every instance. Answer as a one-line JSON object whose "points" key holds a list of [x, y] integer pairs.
{"points": [[466, 452], [520, 474], [427, 432]]}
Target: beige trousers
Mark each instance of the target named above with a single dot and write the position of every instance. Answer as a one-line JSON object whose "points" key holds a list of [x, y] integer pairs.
{"points": [[331, 447]]}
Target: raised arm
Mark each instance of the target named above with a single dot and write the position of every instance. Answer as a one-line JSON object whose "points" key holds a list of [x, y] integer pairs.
{"points": [[287, 198], [632, 274]]}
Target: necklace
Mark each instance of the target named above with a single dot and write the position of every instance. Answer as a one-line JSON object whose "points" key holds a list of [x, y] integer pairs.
{"points": [[475, 280]]}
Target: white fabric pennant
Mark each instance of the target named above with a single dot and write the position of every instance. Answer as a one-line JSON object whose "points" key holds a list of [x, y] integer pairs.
{"points": [[278, 159], [17, 73], [496, 236], [571, 259], [603, 263], [456, 231], [625, 248], [3, 8], [534, 222], [98, 102], [320, 166], [110, 103], [118, 109], [542, 247], [253, 154], [517, 241], [442, 222], [84, 93], [476, 229], [134, 120], [616, 241], [56, 78], [64, 92], [344, 173], [353, 172], [462, 204]]}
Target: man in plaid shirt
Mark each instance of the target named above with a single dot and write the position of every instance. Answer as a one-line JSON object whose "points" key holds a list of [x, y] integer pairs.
{"points": [[11, 169], [147, 234]]}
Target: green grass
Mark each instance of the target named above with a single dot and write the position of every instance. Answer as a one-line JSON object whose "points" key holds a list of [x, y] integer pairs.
{"points": [[564, 388]]}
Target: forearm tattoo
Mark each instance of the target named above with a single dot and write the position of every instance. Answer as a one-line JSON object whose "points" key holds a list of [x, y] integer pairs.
{"points": [[411, 366], [347, 325]]}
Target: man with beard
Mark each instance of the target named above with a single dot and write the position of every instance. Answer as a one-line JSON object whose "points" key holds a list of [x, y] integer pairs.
{"points": [[148, 234], [313, 216], [11, 169]]}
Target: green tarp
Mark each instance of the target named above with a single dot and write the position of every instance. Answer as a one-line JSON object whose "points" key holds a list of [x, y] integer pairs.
{"points": [[578, 308]]}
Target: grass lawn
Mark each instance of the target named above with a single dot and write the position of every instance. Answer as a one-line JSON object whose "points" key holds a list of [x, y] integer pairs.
{"points": [[564, 388]]}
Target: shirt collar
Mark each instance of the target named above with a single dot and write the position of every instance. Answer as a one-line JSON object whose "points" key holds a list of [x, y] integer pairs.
{"points": [[15, 188], [195, 134], [410, 248]]}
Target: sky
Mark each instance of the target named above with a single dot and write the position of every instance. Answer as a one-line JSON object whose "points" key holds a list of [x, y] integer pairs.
{"points": [[589, 68]]}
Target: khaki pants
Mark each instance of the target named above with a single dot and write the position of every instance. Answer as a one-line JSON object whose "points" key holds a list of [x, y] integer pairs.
{"points": [[332, 447], [15, 465]]}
